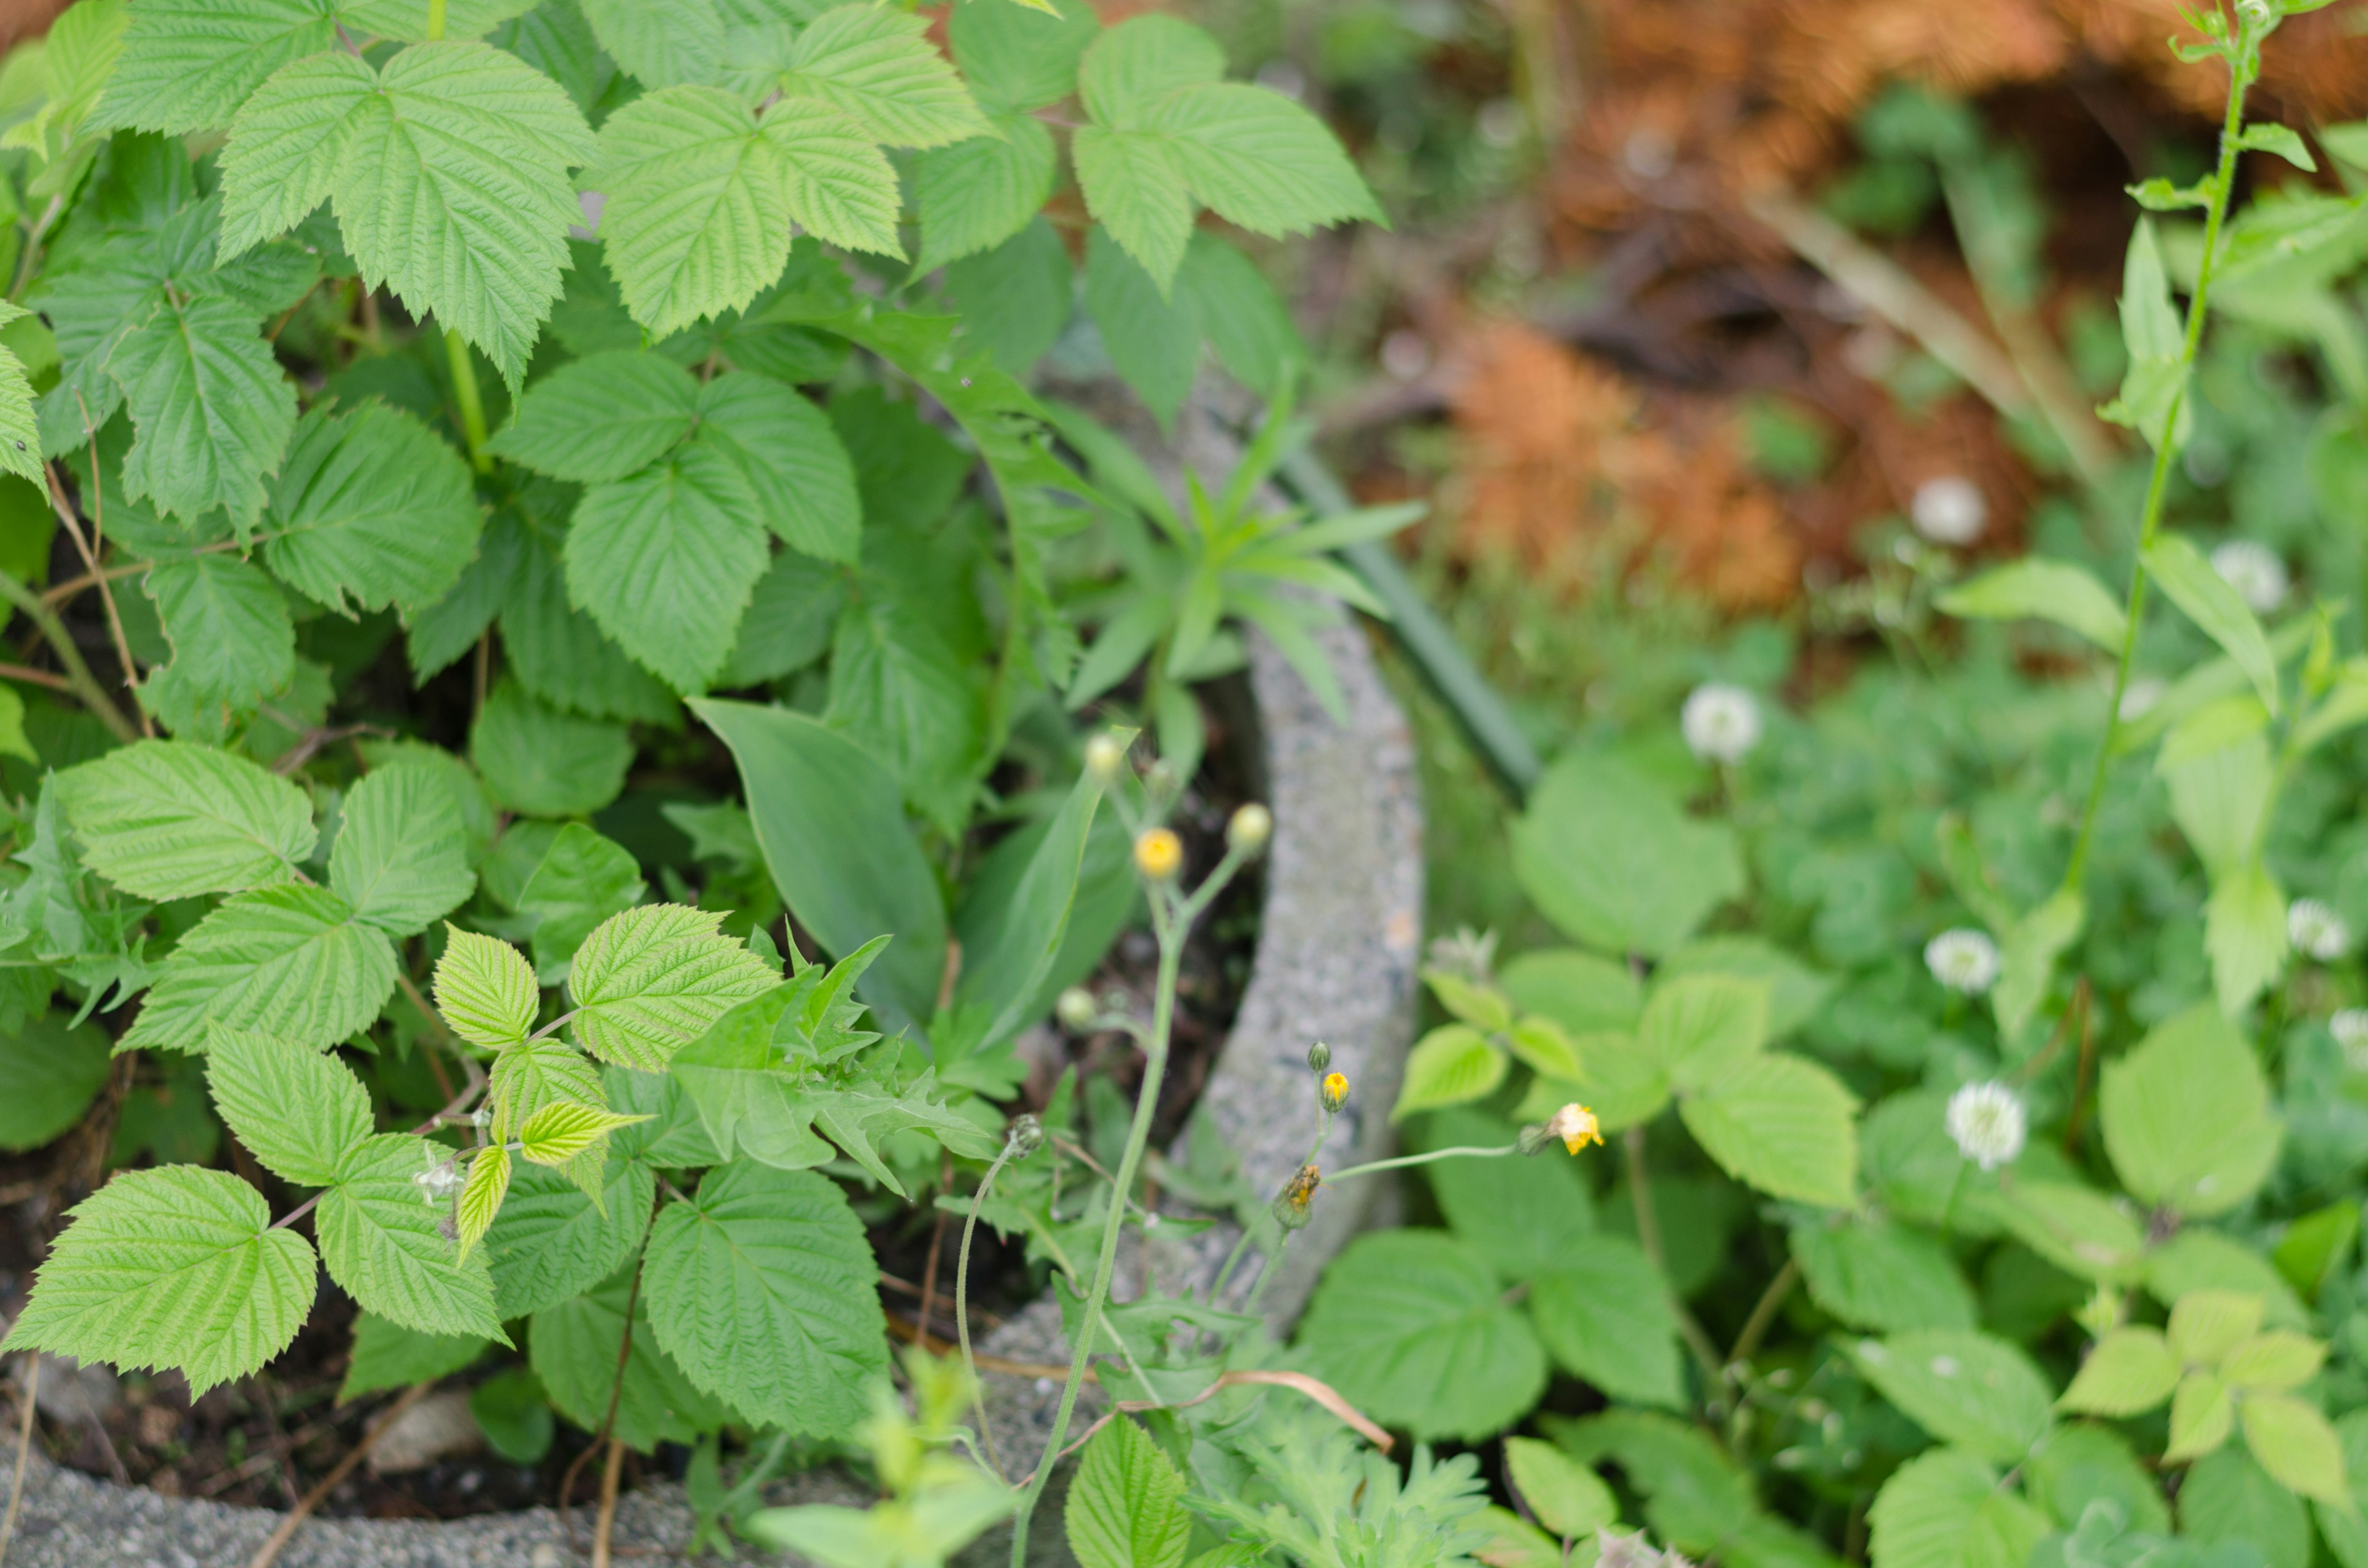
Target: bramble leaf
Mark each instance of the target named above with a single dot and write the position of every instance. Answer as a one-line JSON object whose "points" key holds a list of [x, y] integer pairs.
{"points": [[289, 960], [485, 989], [481, 1194], [1126, 1506], [211, 409], [875, 65], [401, 859], [372, 509], [562, 1129], [188, 64], [650, 981], [299, 1111], [385, 1246], [665, 560], [551, 1241], [603, 416], [234, 644]]}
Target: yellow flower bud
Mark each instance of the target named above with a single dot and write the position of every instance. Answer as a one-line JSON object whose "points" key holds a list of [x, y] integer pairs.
{"points": [[1334, 1094], [1576, 1126], [1075, 1008], [1158, 853], [1249, 828], [1104, 758]]}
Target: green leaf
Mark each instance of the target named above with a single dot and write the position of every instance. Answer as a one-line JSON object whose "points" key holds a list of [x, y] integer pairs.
{"points": [[680, 43], [2130, 1370], [574, 1347], [1153, 344], [2278, 1359], [1450, 1065], [1007, 958], [2049, 590], [188, 64], [561, 1131], [175, 1266], [2078, 1229], [1945, 1509], [485, 989], [234, 644], [2186, 1115], [603, 416], [1613, 862], [650, 981], [371, 510], [2189, 581], [448, 172], [1605, 1315], [1013, 300], [1699, 1027], [875, 65], [2227, 1497], [544, 763], [2345, 1526], [582, 880], [2028, 958], [1783, 1124], [169, 821], [2245, 934], [666, 560], [1969, 1389], [2152, 400], [560, 655], [53, 1070], [828, 818], [899, 687], [1014, 57], [764, 1289], [2202, 1415], [1526, 1217], [401, 859], [389, 1356], [385, 1246], [212, 408], [804, 480], [1411, 1328], [2076, 1465], [1126, 1506], [1241, 315], [854, 1117], [1567, 1497], [1583, 993], [788, 624], [482, 1194], [2268, 136], [2205, 1326], [976, 193], [297, 1109], [287, 960], [1878, 1274], [551, 1241]]}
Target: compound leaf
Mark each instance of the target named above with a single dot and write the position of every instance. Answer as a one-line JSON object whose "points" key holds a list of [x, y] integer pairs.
{"points": [[372, 509], [666, 560], [485, 990], [166, 819]]}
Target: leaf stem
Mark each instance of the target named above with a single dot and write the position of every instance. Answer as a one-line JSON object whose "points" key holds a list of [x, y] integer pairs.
{"points": [[2244, 52], [1649, 1236], [53, 631], [464, 381], [962, 1304], [435, 20]]}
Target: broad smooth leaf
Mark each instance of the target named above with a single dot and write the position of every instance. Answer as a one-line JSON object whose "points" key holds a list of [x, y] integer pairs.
{"points": [[2188, 581], [2050, 590], [372, 509], [289, 960], [1413, 1330], [1450, 1065], [165, 819], [1003, 971], [1613, 862], [401, 859], [1605, 1315], [763, 1288], [2186, 1115], [1782, 1123], [650, 981], [1126, 1505], [485, 989], [1945, 1509], [384, 1245], [1878, 1274], [1969, 1389], [176, 1266], [299, 1111]]}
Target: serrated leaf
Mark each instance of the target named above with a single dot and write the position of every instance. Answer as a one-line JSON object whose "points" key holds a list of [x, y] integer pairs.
{"points": [[561, 1131], [1878, 1274], [660, 45], [169, 821], [2202, 1415], [2188, 580], [1612, 860], [370, 510], [20, 427], [2049, 590], [1945, 1509], [575, 1346], [544, 762], [1450, 1065], [485, 989], [386, 1246], [582, 880], [401, 859], [188, 64], [211, 408], [650, 981], [1973, 1390], [763, 1288], [603, 416], [1567, 1497], [448, 172], [234, 644], [176, 1266], [666, 560], [840, 188], [853, 1118], [1411, 1327], [299, 1111], [2245, 935], [1126, 1506], [2131, 1370], [2205, 1326], [389, 1356], [1696, 1027], [901, 689], [1604, 1314], [2278, 1359], [481, 1195], [1016, 58], [2186, 1115], [875, 65], [976, 193], [287, 960], [551, 1241], [793, 461], [1782, 1123]]}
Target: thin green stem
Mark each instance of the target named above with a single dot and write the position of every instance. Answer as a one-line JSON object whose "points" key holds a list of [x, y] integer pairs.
{"points": [[464, 388], [1404, 1161], [1649, 1236], [435, 20], [961, 1303], [2158, 479], [53, 631]]}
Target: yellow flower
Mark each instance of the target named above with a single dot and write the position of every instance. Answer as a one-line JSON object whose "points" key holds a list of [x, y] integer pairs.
{"points": [[1335, 1092], [1158, 853], [1576, 1126]]}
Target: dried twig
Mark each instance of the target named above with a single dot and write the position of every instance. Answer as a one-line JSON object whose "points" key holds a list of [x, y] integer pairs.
{"points": [[268, 1552], [606, 1522], [86, 546]]}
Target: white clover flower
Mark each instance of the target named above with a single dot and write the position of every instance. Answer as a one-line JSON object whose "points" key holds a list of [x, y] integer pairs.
{"points": [[1987, 1124], [2317, 930], [2255, 572], [1721, 723], [2349, 1029], [1950, 510], [1963, 959]]}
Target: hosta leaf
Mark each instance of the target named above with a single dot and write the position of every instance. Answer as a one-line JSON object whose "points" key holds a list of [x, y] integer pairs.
{"points": [[299, 1111], [176, 1266], [401, 859], [2131, 1370], [234, 644], [485, 989], [544, 762], [211, 408], [794, 462], [1945, 1509], [665, 562], [370, 510], [648, 982], [603, 416], [763, 1288], [287, 960], [876, 65], [1605, 1315], [1413, 1329], [387, 1247], [481, 1195], [574, 1350], [976, 193], [551, 1241], [1977, 1391], [165, 819], [188, 64], [1126, 1508], [561, 1131], [1783, 1124]]}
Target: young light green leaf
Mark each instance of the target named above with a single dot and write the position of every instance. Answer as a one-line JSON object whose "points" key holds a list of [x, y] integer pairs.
{"points": [[762, 1287], [1567, 1497], [697, 216], [1977, 1391], [1604, 1314], [372, 509], [1783, 1124], [389, 1356], [2206, 1325], [400, 859], [299, 1111], [542, 762], [211, 409], [2186, 1115], [2131, 1370], [188, 65], [1696, 1027], [481, 1195], [287, 960], [665, 562], [2268, 136], [2154, 387], [561, 1131], [2201, 1417], [2245, 934], [538, 1073], [551, 1241], [381, 1239], [169, 821], [603, 416], [176, 1266], [875, 65], [1613, 862], [1945, 1509], [234, 644], [1452, 1064], [1126, 1506], [2049, 590], [2189, 581], [650, 981], [485, 989]]}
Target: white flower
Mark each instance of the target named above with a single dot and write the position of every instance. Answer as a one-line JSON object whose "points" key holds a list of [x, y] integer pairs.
{"points": [[2350, 1027], [1721, 723], [2317, 930], [2255, 572], [1962, 960], [1987, 1124], [1950, 510], [440, 1181]]}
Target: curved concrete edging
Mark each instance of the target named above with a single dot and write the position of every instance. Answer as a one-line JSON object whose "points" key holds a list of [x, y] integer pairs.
{"points": [[1337, 957]]}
